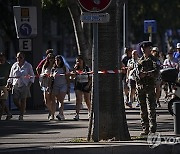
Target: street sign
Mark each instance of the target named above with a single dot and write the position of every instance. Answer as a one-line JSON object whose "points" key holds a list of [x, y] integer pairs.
{"points": [[25, 19], [95, 17], [150, 26], [25, 44], [25, 30], [94, 5]]}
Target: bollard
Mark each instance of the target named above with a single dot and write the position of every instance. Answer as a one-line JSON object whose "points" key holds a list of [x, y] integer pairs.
{"points": [[177, 118]]}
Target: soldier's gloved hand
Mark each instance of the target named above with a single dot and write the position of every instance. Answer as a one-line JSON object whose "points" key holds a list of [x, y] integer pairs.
{"points": [[142, 74], [150, 74]]}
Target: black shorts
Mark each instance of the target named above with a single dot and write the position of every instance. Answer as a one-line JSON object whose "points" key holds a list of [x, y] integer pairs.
{"points": [[81, 87], [132, 84]]}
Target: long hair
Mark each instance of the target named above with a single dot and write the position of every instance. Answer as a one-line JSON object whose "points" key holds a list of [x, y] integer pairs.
{"points": [[81, 58], [46, 64], [62, 61]]}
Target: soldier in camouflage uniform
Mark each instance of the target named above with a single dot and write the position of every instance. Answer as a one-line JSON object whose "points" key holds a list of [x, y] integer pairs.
{"points": [[147, 72]]}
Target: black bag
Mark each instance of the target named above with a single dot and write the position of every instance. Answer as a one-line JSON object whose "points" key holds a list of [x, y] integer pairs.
{"points": [[169, 74]]}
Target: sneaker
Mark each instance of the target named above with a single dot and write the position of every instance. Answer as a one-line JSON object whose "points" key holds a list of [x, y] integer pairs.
{"points": [[49, 116], [129, 104], [21, 117], [76, 118], [158, 104], [9, 116], [60, 117], [137, 105]]}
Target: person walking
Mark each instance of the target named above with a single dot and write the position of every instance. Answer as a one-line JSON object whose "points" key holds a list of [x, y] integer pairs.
{"points": [[41, 63], [4, 74], [146, 77], [155, 53], [83, 85], [20, 79], [45, 83], [60, 84], [132, 66], [127, 55], [170, 62]]}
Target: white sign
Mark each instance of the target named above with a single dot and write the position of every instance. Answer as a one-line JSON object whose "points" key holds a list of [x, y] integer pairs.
{"points": [[25, 19], [25, 44], [95, 17]]}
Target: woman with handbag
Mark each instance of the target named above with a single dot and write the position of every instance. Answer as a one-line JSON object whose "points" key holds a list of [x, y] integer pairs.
{"points": [[45, 83], [83, 84]]}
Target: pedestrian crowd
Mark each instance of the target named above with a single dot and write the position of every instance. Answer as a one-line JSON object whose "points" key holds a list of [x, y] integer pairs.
{"points": [[141, 82], [54, 79]]}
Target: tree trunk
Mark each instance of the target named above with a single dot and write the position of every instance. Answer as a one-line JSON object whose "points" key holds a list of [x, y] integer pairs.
{"points": [[112, 118], [83, 45]]}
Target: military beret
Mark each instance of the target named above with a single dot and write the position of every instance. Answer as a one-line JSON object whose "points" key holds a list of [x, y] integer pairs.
{"points": [[145, 44]]}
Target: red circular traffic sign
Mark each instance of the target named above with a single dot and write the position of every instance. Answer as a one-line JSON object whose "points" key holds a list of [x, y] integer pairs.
{"points": [[94, 5]]}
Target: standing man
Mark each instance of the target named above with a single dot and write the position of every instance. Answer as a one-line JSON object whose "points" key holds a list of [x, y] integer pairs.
{"points": [[146, 78], [4, 73]]}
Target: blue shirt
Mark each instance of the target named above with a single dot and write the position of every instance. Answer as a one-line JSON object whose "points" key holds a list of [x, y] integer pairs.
{"points": [[176, 55]]}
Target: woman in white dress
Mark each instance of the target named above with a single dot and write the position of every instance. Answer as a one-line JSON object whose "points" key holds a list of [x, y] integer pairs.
{"points": [[61, 84]]}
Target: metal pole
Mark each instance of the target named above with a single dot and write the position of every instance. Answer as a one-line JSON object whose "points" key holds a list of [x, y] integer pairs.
{"points": [[95, 82], [124, 25], [177, 118], [150, 37]]}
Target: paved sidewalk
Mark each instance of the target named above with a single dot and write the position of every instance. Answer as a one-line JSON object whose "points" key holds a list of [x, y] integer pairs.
{"points": [[37, 134]]}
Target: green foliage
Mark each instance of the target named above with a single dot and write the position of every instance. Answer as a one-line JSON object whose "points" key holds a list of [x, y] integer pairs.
{"points": [[6, 17], [165, 12], [57, 9]]}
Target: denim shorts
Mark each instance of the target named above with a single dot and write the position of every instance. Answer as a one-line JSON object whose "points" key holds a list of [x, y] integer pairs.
{"points": [[57, 89]]}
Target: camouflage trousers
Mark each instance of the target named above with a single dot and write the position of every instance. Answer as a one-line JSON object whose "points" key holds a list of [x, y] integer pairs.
{"points": [[147, 100]]}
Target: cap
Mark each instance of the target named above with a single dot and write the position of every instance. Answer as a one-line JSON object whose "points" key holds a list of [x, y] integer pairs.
{"points": [[178, 46], [171, 51], [126, 49], [145, 44], [155, 49], [134, 51]]}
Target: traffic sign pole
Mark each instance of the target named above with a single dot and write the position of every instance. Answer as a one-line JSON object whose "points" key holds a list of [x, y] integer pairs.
{"points": [[95, 6], [95, 81]]}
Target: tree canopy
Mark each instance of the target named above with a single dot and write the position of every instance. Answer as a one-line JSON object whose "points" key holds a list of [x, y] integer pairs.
{"points": [[165, 12]]}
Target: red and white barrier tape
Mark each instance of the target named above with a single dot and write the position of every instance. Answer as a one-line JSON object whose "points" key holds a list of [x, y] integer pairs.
{"points": [[78, 72]]}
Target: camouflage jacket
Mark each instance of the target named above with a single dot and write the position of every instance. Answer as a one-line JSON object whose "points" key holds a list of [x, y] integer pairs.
{"points": [[149, 66]]}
